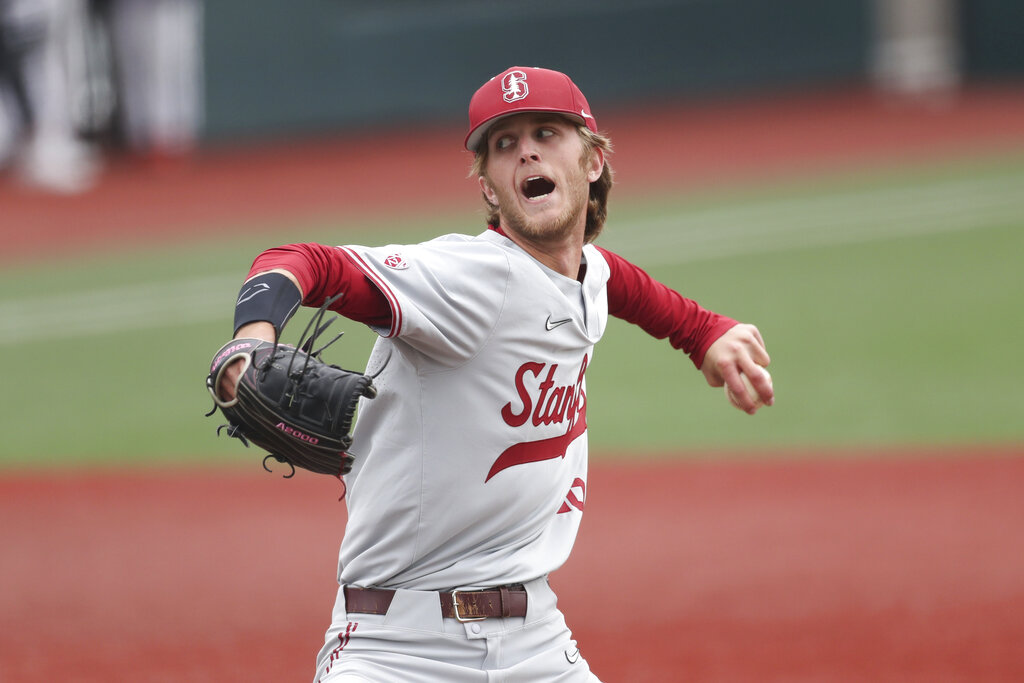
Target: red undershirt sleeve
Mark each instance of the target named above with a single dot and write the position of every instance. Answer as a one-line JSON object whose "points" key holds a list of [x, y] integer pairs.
{"points": [[324, 271], [636, 297]]}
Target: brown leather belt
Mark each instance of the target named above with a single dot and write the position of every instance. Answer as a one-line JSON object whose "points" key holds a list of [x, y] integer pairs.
{"points": [[504, 601]]}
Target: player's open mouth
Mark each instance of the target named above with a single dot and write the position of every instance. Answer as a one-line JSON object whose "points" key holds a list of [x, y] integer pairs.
{"points": [[537, 186]]}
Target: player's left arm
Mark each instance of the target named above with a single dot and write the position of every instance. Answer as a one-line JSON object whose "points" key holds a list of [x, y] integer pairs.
{"points": [[314, 272], [719, 346]]}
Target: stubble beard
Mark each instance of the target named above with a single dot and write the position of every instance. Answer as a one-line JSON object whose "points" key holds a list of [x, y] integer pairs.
{"points": [[553, 230]]}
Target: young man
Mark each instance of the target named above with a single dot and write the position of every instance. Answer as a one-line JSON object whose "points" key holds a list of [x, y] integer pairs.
{"points": [[470, 467]]}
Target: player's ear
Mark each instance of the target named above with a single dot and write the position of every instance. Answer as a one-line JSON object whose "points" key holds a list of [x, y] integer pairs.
{"points": [[488, 191], [595, 165]]}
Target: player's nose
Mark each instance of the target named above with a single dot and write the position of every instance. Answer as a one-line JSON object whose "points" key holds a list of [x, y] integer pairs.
{"points": [[528, 150], [528, 153]]}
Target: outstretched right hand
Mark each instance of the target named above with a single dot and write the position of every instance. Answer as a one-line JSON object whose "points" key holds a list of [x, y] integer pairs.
{"points": [[740, 350]]}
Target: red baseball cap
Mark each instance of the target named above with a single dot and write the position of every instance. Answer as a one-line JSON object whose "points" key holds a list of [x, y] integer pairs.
{"points": [[525, 89]]}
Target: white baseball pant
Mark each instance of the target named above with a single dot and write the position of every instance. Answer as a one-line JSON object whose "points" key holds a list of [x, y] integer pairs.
{"points": [[413, 643]]}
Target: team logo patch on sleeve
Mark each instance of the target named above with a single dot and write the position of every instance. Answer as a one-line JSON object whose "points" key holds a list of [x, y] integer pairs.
{"points": [[396, 262]]}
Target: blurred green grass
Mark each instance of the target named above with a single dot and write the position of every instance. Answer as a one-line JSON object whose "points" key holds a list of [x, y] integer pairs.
{"points": [[890, 302]]}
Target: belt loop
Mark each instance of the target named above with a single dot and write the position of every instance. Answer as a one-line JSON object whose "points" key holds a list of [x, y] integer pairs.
{"points": [[506, 603]]}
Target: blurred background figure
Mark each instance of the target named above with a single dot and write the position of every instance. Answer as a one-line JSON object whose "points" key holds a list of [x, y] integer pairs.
{"points": [[43, 48], [917, 51], [158, 55], [80, 77]]}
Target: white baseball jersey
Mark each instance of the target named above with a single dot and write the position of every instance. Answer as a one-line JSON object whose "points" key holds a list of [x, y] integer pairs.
{"points": [[471, 464]]}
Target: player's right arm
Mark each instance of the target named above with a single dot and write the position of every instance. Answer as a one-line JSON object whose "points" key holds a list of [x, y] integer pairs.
{"points": [[719, 346], [283, 277], [659, 310]]}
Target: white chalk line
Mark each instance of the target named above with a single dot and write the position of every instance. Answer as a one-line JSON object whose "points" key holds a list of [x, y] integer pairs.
{"points": [[118, 309], [847, 218]]}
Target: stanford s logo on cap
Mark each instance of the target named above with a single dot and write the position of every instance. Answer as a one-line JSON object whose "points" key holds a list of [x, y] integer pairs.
{"points": [[514, 87]]}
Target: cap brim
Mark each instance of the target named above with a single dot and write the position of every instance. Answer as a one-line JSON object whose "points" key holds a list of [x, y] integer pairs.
{"points": [[477, 135]]}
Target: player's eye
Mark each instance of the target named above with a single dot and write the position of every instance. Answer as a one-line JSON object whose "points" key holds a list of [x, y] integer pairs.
{"points": [[504, 142], [544, 133]]}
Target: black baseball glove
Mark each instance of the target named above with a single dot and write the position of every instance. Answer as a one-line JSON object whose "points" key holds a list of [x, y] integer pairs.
{"points": [[290, 403]]}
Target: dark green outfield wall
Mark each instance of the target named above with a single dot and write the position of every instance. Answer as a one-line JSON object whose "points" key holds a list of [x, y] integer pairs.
{"points": [[992, 33], [279, 67]]}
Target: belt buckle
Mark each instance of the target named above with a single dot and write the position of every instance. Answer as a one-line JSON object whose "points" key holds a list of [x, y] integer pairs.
{"points": [[455, 608]]}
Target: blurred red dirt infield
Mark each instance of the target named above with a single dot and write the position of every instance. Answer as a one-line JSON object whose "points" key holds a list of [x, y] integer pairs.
{"points": [[894, 567]]}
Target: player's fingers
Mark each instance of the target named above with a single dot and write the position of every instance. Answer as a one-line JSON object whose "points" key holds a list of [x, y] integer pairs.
{"points": [[749, 383], [757, 374], [737, 388], [762, 383], [756, 346], [757, 335], [720, 358], [229, 381], [740, 350]]}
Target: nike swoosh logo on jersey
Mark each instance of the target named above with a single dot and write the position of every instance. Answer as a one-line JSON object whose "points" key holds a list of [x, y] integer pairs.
{"points": [[572, 657], [550, 324]]}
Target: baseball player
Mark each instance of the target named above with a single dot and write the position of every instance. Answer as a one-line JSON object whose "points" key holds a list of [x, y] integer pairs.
{"points": [[470, 466], [159, 53], [36, 37]]}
